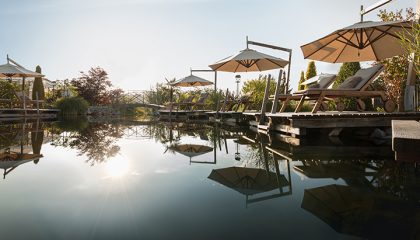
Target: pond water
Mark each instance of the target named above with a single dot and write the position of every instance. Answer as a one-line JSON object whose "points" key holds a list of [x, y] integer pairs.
{"points": [[149, 180]]}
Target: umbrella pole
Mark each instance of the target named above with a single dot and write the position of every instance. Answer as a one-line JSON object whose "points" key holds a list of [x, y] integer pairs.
{"points": [[286, 89], [24, 97]]}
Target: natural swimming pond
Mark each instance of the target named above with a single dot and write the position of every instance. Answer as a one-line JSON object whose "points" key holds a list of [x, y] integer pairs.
{"points": [[152, 180]]}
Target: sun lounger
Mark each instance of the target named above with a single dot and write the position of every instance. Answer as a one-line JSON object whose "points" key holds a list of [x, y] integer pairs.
{"points": [[24, 99], [200, 103], [324, 82], [244, 100], [355, 87], [176, 105]]}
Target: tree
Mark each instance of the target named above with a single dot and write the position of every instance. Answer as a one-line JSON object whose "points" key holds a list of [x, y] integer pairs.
{"points": [[38, 91], [93, 86], [302, 79], [347, 70], [410, 40], [311, 70], [256, 87], [394, 76]]}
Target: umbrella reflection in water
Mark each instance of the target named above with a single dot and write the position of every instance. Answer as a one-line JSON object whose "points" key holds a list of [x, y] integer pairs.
{"points": [[191, 150], [10, 161], [362, 213], [252, 181]]}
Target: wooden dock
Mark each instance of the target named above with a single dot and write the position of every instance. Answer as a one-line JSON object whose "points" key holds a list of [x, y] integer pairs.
{"points": [[406, 140], [166, 115], [17, 113], [300, 123]]}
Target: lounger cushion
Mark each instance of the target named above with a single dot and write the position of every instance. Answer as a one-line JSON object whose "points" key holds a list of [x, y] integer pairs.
{"points": [[314, 86], [350, 82], [325, 80], [366, 74]]}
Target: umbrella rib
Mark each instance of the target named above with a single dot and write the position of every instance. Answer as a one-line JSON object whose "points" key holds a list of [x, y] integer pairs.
{"points": [[322, 45], [368, 37], [237, 66], [342, 50], [357, 37], [386, 31], [347, 41], [221, 65], [380, 36]]}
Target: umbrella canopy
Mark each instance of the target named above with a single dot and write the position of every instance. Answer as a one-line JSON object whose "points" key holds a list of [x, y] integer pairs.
{"points": [[249, 60], [191, 81], [362, 213], [363, 41], [191, 150], [247, 181], [10, 70]]}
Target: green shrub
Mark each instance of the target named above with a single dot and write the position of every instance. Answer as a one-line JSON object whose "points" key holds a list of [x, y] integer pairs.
{"points": [[311, 71], [72, 106], [7, 91], [302, 79]]}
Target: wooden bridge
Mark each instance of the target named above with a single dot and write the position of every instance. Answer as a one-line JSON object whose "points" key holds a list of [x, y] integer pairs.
{"points": [[139, 98]]}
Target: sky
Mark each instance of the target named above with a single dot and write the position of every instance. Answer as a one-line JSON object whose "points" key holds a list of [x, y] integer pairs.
{"points": [[142, 42]]}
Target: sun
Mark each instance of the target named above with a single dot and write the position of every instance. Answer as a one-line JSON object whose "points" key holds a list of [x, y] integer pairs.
{"points": [[117, 167]]}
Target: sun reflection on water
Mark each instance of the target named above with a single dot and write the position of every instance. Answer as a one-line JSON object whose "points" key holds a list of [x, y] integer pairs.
{"points": [[117, 167]]}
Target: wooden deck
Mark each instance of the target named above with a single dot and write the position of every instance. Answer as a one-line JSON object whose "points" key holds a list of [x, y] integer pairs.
{"points": [[406, 140], [183, 115], [299, 123], [18, 113]]}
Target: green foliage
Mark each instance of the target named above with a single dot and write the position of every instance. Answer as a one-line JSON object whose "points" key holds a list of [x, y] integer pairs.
{"points": [[7, 92], [72, 106], [396, 68], [410, 40], [311, 70], [256, 87], [38, 86], [301, 80], [347, 70]]}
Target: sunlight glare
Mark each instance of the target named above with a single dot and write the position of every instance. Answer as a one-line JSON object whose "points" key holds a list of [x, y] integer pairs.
{"points": [[117, 167]]}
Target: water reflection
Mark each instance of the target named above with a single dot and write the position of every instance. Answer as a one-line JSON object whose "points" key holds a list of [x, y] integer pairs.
{"points": [[363, 213], [95, 141], [14, 145], [349, 187]]}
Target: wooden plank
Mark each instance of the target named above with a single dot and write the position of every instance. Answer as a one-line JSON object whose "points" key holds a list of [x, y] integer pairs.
{"points": [[406, 140], [277, 93], [265, 100], [289, 129]]}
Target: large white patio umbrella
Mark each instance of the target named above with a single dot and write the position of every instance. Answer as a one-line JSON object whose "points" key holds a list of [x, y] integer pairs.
{"points": [[9, 70], [10, 161], [363, 41], [249, 60], [191, 81]]}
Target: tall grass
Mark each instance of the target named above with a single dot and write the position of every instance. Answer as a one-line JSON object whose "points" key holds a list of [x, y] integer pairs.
{"points": [[72, 106]]}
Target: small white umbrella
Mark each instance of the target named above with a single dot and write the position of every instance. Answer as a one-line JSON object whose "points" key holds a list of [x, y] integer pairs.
{"points": [[249, 60], [191, 81]]}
